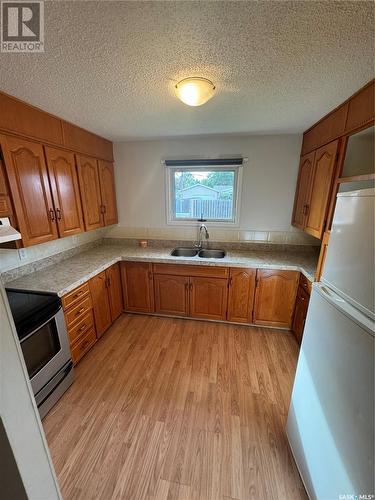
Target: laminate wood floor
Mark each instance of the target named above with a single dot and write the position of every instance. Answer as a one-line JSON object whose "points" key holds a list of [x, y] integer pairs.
{"points": [[178, 409]]}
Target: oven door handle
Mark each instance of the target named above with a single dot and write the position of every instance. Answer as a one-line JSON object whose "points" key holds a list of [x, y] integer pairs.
{"points": [[39, 326]]}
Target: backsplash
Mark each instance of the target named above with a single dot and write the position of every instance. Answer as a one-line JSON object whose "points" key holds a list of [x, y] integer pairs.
{"points": [[54, 250], [293, 237]]}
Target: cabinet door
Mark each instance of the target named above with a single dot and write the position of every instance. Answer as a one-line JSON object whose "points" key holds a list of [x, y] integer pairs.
{"points": [[64, 185], [241, 295], [90, 192], [208, 298], [137, 285], [100, 303], [275, 296], [171, 294], [321, 185], [300, 313], [108, 193], [28, 180], [115, 290], [302, 191]]}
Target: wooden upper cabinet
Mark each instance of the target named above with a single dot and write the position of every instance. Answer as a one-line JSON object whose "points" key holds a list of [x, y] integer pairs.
{"points": [[89, 184], [275, 296], [113, 274], [137, 285], [302, 191], [320, 189], [208, 298], [171, 294], [28, 180], [241, 295], [23, 119], [361, 108], [100, 302], [79, 139], [65, 191], [108, 193], [6, 209]]}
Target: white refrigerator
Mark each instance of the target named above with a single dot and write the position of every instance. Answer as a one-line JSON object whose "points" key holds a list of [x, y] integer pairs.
{"points": [[330, 424]]}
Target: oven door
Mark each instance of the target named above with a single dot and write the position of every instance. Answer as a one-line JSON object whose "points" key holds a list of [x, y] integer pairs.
{"points": [[46, 350]]}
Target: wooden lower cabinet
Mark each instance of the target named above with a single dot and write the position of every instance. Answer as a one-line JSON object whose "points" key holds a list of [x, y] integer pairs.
{"points": [[171, 294], [275, 297], [106, 292], [241, 295], [113, 274], [137, 285], [208, 298], [100, 299], [300, 313], [79, 319]]}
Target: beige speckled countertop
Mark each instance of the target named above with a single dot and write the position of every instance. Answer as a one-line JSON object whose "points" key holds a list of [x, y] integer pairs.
{"points": [[63, 277]]}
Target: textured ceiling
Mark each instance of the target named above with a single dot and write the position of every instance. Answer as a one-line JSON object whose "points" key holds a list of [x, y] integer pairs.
{"points": [[278, 66]]}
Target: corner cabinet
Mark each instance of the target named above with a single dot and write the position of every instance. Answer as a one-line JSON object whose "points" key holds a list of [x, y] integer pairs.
{"points": [[28, 180], [313, 191], [275, 297], [137, 283]]}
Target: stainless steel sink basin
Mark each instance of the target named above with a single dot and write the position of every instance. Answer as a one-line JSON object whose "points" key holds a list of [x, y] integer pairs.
{"points": [[211, 254], [184, 252]]}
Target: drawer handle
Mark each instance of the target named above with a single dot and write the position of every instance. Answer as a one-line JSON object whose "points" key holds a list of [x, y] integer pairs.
{"points": [[80, 311], [82, 328], [78, 294]]}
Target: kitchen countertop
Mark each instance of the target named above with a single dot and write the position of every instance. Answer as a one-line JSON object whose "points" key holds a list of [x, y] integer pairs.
{"points": [[63, 277]]}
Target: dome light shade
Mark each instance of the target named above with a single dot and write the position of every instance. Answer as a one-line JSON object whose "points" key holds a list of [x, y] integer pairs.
{"points": [[194, 91]]}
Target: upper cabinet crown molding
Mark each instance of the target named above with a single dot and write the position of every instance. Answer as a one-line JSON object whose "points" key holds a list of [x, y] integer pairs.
{"points": [[355, 113], [79, 139], [20, 118]]}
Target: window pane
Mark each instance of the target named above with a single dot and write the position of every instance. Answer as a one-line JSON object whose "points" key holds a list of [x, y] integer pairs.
{"points": [[206, 194]]}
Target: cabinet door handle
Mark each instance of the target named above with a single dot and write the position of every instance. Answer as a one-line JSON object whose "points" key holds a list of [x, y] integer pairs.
{"points": [[82, 328], [150, 275], [78, 294], [191, 286], [186, 286], [231, 281], [52, 214], [306, 209], [58, 214]]}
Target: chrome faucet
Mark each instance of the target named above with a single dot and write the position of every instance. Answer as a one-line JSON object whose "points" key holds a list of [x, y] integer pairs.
{"points": [[202, 229]]}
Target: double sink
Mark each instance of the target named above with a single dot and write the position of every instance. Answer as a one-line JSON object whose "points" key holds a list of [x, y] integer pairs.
{"points": [[193, 252]]}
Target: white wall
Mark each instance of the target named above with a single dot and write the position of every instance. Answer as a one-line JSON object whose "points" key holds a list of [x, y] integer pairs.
{"points": [[269, 180]]}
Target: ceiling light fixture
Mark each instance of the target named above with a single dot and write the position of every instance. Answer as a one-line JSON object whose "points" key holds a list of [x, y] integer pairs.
{"points": [[195, 91]]}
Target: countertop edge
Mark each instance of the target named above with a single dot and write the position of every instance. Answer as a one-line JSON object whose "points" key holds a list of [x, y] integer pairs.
{"points": [[172, 260]]}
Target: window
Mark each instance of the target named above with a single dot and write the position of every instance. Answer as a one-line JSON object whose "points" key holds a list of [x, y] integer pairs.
{"points": [[203, 192]]}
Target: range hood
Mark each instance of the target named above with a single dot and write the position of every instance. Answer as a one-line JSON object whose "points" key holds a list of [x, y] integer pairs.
{"points": [[7, 232]]}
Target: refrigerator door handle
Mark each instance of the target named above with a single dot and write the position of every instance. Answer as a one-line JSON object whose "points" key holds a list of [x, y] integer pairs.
{"points": [[346, 308]]}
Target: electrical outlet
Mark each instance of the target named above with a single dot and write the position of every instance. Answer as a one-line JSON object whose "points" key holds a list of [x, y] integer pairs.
{"points": [[22, 253]]}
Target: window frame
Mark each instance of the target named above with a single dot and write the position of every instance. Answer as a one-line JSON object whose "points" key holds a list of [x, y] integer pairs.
{"points": [[170, 194]]}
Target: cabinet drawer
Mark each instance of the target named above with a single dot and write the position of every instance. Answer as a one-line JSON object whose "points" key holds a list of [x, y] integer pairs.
{"points": [[77, 312], [81, 327], [84, 344], [76, 295], [305, 283], [186, 270]]}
